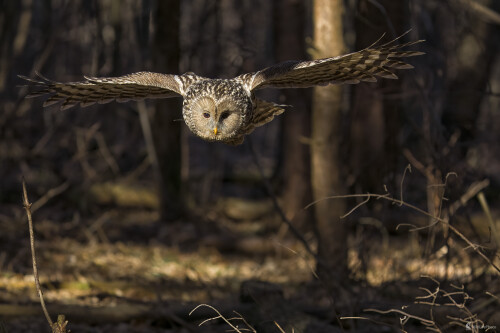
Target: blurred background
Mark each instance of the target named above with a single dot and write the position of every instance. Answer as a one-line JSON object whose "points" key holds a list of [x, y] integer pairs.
{"points": [[133, 212]]}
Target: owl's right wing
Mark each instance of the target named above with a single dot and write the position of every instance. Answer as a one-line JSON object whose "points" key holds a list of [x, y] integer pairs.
{"points": [[135, 86], [365, 65]]}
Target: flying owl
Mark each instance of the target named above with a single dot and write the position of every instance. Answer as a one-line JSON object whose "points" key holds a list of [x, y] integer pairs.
{"points": [[226, 110]]}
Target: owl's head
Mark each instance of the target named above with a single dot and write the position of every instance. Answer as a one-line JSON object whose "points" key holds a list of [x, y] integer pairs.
{"points": [[217, 114]]}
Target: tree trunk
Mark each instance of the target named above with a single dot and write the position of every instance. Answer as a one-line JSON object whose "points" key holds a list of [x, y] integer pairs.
{"points": [[290, 26], [167, 131], [326, 173], [375, 120]]}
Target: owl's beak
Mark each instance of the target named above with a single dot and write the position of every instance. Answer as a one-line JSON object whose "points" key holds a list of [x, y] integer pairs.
{"points": [[215, 130]]}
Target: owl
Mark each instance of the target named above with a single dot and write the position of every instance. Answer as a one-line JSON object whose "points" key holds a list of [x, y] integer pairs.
{"points": [[226, 110]]}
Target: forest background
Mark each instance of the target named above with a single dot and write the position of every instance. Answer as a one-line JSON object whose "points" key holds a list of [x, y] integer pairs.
{"points": [[140, 220]]}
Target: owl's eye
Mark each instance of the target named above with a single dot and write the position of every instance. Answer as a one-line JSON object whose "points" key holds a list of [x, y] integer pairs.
{"points": [[224, 115], [206, 114]]}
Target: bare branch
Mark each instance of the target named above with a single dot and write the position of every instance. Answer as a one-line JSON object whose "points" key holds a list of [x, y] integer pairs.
{"points": [[437, 219], [470, 193], [53, 192], [227, 321], [356, 207], [485, 13], [408, 168], [489, 218], [424, 321], [276, 204], [27, 207]]}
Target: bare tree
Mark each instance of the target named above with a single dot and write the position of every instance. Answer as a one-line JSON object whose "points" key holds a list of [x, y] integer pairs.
{"points": [[326, 173], [167, 131], [290, 26], [375, 119]]}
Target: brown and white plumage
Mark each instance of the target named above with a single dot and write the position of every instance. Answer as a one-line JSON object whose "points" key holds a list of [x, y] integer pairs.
{"points": [[103, 90], [226, 109]]}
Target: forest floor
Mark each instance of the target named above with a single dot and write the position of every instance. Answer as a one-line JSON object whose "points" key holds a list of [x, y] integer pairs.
{"points": [[123, 271]]}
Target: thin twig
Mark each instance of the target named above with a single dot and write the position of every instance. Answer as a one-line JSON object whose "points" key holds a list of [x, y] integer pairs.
{"points": [[106, 153], [347, 196], [355, 208], [485, 13], [386, 196], [470, 193], [220, 316], [408, 168], [27, 207], [279, 327], [494, 296], [276, 204], [443, 198], [468, 319], [250, 328], [369, 319], [148, 136], [489, 218], [383, 11], [53, 192], [424, 321]]}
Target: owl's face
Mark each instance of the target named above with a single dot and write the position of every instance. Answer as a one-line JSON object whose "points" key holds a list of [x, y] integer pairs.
{"points": [[216, 119], [218, 112]]}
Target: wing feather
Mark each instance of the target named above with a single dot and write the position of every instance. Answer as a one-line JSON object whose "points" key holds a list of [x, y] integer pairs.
{"points": [[135, 86], [365, 65]]}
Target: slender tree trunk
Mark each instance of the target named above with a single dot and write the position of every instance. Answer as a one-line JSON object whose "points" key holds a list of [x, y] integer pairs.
{"points": [[14, 26], [470, 55], [167, 131], [326, 173], [116, 21], [290, 25], [375, 120]]}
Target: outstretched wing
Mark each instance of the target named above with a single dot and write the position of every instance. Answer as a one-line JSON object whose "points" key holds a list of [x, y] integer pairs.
{"points": [[102, 90], [365, 65]]}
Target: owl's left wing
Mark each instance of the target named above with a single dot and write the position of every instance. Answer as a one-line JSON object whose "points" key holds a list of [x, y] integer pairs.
{"points": [[365, 65], [102, 90]]}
